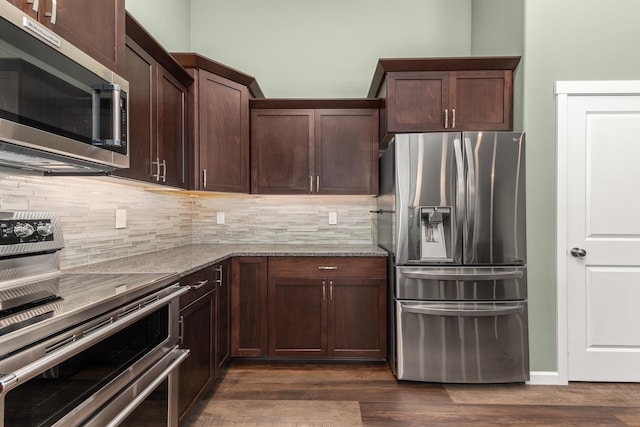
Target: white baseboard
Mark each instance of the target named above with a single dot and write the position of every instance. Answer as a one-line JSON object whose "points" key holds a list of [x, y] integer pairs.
{"points": [[546, 378]]}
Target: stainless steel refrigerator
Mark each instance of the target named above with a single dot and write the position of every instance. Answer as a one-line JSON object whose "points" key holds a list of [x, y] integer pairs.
{"points": [[451, 214]]}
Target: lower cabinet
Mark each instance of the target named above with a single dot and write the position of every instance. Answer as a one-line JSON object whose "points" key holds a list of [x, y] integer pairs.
{"points": [[309, 307], [204, 330], [249, 307], [197, 333], [223, 314]]}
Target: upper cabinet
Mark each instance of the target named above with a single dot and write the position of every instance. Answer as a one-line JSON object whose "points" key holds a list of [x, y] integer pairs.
{"points": [[441, 94], [157, 111], [94, 26], [314, 146], [218, 124]]}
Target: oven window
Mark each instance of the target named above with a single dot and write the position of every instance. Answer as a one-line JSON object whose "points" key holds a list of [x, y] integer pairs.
{"points": [[153, 411], [47, 398]]}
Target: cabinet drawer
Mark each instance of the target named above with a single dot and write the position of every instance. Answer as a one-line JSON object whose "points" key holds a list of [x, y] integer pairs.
{"points": [[202, 282], [364, 267]]}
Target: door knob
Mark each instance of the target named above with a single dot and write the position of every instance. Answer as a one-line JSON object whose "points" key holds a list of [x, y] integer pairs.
{"points": [[578, 252]]}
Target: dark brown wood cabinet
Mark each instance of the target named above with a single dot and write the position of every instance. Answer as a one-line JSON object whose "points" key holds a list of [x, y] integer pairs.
{"points": [[223, 313], [218, 124], [197, 325], [249, 306], [205, 331], [94, 26], [445, 94], [327, 307], [314, 146], [157, 111]]}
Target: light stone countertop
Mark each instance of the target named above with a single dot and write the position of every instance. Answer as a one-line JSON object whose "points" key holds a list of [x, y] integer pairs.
{"points": [[190, 258]]}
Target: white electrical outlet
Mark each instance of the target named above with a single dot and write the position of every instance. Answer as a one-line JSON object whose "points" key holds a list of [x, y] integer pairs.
{"points": [[333, 218], [220, 218], [121, 218]]}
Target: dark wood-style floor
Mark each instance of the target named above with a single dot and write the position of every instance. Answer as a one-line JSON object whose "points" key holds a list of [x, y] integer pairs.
{"points": [[262, 394]]}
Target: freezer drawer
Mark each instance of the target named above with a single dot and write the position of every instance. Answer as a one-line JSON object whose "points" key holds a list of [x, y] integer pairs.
{"points": [[461, 283], [451, 342]]}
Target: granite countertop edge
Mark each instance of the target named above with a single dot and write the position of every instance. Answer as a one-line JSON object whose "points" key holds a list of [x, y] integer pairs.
{"points": [[187, 259]]}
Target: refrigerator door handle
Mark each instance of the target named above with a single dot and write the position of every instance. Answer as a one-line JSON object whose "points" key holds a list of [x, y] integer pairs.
{"points": [[471, 195], [460, 198], [438, 311], [440, 275]]}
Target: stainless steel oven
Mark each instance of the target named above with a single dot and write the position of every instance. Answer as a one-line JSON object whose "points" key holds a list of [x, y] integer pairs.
{"points": [[82, 349]]}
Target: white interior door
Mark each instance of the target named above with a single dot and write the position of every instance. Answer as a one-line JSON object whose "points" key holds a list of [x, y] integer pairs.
{"points": [[603, 232]]}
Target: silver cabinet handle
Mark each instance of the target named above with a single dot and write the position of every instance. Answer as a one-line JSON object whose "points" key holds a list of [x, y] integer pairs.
{"points": [[324, 290], [54, 11], [180, 330], [453, 118], [164, 170], [310, 183], [330, 290], [578, 252], [199, 284], [318, 184], [204, 178], [446, 118], [221, 271], [323, 267], [35, 3]]}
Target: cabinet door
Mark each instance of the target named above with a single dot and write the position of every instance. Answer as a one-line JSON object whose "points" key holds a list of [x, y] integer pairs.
{"points": [[223, 293], [140, 71], [94, 26], [297, 317], [417, 101], [357, 318], [197, 371], [346, 151], [249, 306], [171, 137], [481, 100], [281, 151], [26, 7], [223, 134]]}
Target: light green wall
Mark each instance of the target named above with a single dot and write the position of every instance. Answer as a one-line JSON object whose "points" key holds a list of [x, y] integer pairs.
{"points": [[167, 20], [564, 40], [330, 48]]}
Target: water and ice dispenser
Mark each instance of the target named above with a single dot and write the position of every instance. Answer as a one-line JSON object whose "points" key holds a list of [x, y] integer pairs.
{"points": [[431, 234]]}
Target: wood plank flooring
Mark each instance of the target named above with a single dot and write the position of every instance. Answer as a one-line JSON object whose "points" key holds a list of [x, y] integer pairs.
{"points": [[289, 394]]}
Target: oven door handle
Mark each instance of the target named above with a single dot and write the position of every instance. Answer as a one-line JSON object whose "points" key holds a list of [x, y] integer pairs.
{"points": [[469, 312], [80, 342], [142, 395], [440, 275]]}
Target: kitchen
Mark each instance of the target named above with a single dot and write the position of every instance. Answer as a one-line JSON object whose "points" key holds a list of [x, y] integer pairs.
{"points": [[159, 219]]}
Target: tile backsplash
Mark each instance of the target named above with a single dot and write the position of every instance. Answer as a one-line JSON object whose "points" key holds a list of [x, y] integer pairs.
{"points": [[158, 218]]}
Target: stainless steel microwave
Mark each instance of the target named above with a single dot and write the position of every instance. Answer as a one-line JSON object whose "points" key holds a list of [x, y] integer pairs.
{"points": [[61, 111]]}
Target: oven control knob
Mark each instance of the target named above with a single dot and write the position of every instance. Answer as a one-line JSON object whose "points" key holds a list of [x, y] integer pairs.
{"points": [[23, 230], [44, 229]]}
